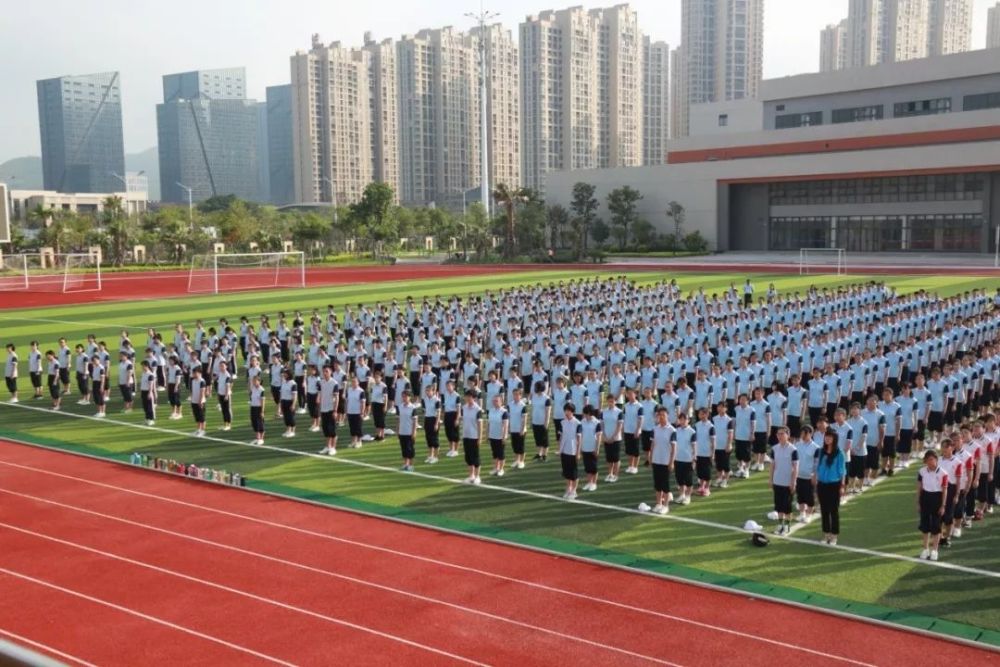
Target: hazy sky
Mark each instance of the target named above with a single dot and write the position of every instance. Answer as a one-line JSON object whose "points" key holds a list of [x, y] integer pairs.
{"points": [[145, 39]]}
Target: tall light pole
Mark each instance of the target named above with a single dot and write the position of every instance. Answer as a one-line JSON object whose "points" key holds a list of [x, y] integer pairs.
{"points": [[484, 173], [190, 203]]}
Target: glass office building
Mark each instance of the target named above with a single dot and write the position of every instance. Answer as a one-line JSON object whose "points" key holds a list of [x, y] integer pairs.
{"points": [[80, 118], [208, 136], [281, 176]]}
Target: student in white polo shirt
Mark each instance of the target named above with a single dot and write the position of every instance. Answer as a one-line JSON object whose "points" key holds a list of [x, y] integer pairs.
{"points": [[662, 460], [147, 392], [517, 409], [199, 394], [684, 455], [407, 411], [591, 433], [569, 449], [257, 410], [612, 428], [932, 482], [355, 399], [10, 372], [289, 396], [541, 415], [329, 395], [805, 491], [224, 392], [498, 426], [784, 471], [472, 435]]}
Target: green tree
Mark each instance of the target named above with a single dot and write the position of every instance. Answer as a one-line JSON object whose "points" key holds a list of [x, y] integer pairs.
{"points": [[600, 231], [118, 230], [558, 218], [584, 207], [168, 231], [40, 216], [309, 228], [643, 233], [531, 224], [477, 229], [235, 225], [623, 205], [676, 213], [509, 198], [373, 214], [217, 203]]}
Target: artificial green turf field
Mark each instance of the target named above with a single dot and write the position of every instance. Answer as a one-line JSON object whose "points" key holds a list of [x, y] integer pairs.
{"points": [[875, 574]]}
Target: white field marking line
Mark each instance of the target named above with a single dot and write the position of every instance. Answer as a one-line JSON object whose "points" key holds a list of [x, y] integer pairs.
{"points": [[344, 577], [252, 596], [45, 647], [441, 563], [146, 617], [525, 492], [72, 322]]}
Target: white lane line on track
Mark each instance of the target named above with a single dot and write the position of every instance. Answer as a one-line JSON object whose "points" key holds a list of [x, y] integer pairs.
{"points": [[147, 617], [13, 636], [524, 492], [246, 594], [437, 562], [343, 577]]}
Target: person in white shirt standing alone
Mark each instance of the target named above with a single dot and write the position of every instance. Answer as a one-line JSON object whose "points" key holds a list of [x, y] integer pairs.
{"points": [[10, 372], [932, 482], [784, 471]]}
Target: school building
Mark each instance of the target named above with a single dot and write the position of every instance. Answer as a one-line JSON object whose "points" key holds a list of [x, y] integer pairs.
{"points": [[892, 158]]}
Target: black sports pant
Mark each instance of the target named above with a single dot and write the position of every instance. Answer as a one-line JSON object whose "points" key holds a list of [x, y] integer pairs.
{"points": [[829, 506]]}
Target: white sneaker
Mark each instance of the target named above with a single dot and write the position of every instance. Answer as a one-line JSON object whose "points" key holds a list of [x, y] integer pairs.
{"points": [[368, 438], [199, 434], [957, 531], [355, 445], [314, 429], [833, 541], [724, 484], [685, 500], [150, 422], [286, 434], [14, 399], [519, 465], [500, 472], [83, 401], [477, 481], [389, 431], [590, 487], [611, 479], [661, 509], [570, 496], [56, 408], [608, 477], [226, 427], [451, 453], [493, 473], [934, 554], [631, 470], [332, 451], [300, 411], [99, 415], [925, 554], [469, 480]]}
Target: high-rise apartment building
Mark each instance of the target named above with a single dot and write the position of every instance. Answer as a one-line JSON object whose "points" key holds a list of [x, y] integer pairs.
{"points": [[993, 27], [503, 105], [344, 132], [80, 118], [722, 45], [280, 169], [881, 31], [439, 115], [833, 47], [656, 107], [950, 27], [581, 91], [678, 96], [208, 136]]}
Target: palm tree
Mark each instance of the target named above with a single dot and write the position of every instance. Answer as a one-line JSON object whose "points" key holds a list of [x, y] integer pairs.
{"points": [[116, 227], [509, 198], [41, 216]]}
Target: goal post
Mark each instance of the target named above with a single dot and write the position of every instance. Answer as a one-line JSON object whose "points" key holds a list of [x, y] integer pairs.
{"points": [[215, 273], [50, 272], [822, 260]]}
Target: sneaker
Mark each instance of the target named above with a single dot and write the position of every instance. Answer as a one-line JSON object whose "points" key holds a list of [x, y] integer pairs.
{"points": [[538, 457], [715, 483], [100, 415], [300, 411], [83, 401], [407, 468], [685, 500], [314, 429], [226, 427], [802, 518], [389, 431], [519, 465], [56, 408], [367, 438], [611, 479], [431, 460], [724, 484], [967, 523], [631, 470], [477, 481], [833, 541], [925, 554], [14, 399], [934, 554], [500, 472], [469, 480], [957, 531], [287, 435], [661, 509], [325, 450], [451, 454], [493, 473], [608, 477], [571, 495], [332, 451], [989, 509]]}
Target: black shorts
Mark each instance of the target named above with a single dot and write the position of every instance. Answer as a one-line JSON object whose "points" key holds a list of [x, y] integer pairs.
{"points": [[312, 405], [557, 423], [36, 380], [541, 435], [760, 443], [354, 425], [276, 394], [470, 447], [721, 460], [782, 499], [631, 444], [794, 426], [935, 421], [430, 432], [661, 478], [703, 468], [498, 449], [517, 443], [451, 427], [772, 437], [804, 493], [930, 505], [173, 396], [97, 391], [568, 466], [856, 466], [918, 434], [406, 446], [64, 375], [127, 391], [871, 458], [905, 444], [684, 473], [328, 422], [54, 389], [198, 412], [984, 492], [590, 463], [613, 451], [743, 451], [646, 439], [949, 505], [889, 446]]}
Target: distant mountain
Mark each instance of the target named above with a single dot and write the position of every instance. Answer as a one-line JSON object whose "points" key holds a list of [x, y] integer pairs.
{"points": [[25, 173]]}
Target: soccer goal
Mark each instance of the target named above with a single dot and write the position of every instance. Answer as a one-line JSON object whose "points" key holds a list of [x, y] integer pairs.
{"points": [[822, 260], [247, 271], [50, 272]]}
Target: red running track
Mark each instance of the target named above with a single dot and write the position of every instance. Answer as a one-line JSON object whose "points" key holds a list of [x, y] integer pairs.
{"points": [[165, 284], [166, 569]]}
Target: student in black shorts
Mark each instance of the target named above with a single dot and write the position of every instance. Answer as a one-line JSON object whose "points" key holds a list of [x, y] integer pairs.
{"points": [[932, 482]]}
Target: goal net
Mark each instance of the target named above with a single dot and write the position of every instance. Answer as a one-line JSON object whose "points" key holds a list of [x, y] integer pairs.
{"points": [[50, 272], [249, 271], [822, 260]]}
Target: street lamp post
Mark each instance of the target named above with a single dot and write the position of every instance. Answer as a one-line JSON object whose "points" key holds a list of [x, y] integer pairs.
{"points": [[190, 202], [484, 185]]}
